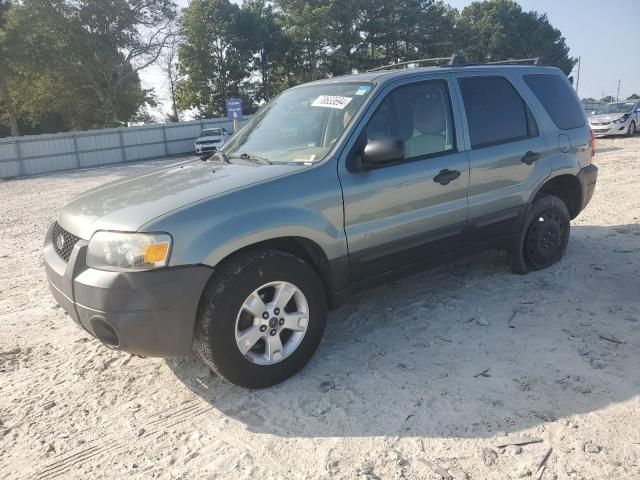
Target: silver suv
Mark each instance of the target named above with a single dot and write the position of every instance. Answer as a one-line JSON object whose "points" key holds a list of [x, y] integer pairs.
{"points": [[333, 186]]}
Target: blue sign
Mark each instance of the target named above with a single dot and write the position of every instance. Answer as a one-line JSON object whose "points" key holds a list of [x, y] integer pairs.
{"points": [[234, 108]]}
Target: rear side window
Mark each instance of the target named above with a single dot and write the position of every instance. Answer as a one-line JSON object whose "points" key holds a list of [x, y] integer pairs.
{"points": [[496, 113], [557, 98]]}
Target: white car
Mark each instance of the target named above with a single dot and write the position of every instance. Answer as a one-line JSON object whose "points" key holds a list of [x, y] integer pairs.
{"points": [[210, 140], [617, 118]]}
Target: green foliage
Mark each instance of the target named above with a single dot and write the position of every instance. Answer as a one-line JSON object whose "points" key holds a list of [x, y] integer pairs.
{"points": [[634, 96], [73, 64], [212, 57], [77, 61], [607, 99], [499, 30]]}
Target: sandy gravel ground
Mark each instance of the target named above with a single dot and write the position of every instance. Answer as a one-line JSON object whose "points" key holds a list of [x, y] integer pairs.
{"points": [[421, 379]]}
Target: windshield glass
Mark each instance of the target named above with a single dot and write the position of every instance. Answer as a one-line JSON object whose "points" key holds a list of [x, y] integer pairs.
{"points": [[210, 131], [622, 107], [301, 124]]}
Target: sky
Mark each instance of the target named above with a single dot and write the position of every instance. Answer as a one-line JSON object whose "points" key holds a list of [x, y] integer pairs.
{"points": [[605, 34]]}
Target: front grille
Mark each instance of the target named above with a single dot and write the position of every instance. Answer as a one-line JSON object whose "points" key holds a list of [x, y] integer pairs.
{"points": [[63, 242]]}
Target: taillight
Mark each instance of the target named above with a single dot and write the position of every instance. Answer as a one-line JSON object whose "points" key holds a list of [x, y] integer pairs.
{"points": [[593, 144]]}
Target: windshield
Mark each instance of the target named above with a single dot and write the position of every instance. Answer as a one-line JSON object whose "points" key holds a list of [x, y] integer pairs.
{"points": [[210, 132], [622, 107], [301, 124]]}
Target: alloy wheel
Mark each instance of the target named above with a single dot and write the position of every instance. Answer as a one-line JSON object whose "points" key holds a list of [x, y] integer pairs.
{"points": [[272, 323]]}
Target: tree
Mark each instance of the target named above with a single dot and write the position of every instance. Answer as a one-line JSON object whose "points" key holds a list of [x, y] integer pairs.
{"points": [[305, 23], [634, 96], [77, 61], [212, 59], [607, 99], [6, 67], [259, 31], [499, 29], [115, 40], [169, 64], [407, 30]]}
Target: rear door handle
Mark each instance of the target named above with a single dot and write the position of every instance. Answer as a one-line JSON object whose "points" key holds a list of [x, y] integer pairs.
{"points": [[530, 157], [445, 176]]}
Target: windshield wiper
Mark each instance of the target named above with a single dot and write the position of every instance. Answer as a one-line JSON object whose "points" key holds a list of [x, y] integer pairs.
{"points": [[252, 158]]}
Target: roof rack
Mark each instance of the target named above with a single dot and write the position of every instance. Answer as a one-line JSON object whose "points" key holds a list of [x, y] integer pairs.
{"points": [[517, 61], [449, 61], [455, 61]]}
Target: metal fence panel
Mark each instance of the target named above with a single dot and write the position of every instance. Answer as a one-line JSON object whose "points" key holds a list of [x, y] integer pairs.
{"points": [[8, 151], [34, 154], [87, 141], [33, 166], [101, 157], [9, 169]]}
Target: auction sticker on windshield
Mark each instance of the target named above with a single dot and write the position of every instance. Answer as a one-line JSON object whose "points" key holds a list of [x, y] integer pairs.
{"points": [[331, 101]]}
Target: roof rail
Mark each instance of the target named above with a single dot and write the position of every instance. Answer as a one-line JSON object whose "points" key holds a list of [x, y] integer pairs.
{"points": [[516, 61], [455, 60], [452, 60]]}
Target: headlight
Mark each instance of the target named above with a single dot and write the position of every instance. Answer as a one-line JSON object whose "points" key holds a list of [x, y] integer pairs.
{"points": [[119, 251], [622, 119]]}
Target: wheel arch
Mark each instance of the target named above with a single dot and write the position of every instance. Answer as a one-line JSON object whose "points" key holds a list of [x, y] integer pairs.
{"points": [[332, 273], [565, 186]]}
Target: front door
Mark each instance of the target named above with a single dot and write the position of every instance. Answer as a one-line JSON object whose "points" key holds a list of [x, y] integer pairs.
{"points": [[415, 209]]}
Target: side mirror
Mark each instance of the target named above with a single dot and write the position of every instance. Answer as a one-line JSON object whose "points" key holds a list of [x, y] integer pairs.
{"points": [[382, 152]]}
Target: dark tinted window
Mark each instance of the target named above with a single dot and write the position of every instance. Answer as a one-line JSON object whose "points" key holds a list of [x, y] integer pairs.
{"points": [[557, 98], [495, 111]]}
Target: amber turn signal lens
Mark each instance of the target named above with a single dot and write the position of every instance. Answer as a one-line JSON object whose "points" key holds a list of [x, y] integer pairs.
{"points": [[156, 252]]}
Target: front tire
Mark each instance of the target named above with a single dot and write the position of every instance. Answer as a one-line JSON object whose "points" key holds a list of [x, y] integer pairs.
{"points": [[632, 129], [544, 237], [261, 318]]}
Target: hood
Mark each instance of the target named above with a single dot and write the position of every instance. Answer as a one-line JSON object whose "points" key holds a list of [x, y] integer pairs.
{"points": [[606, 117], [128, 204]]}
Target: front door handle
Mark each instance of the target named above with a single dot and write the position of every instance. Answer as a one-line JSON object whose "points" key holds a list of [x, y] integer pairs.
{"points": [[530, 157], [445, 176]]}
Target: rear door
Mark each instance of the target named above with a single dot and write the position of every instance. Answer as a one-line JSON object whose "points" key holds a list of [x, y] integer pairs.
{"points": [[508, 154], [415, 209]]}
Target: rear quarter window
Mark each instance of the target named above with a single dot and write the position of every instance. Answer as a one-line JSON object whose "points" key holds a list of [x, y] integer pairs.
{"points": [[557, 98]]}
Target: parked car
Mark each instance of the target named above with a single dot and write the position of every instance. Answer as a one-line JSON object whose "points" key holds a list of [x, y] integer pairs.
{"points": [[381, 174], [617, 118], [210, 140]]}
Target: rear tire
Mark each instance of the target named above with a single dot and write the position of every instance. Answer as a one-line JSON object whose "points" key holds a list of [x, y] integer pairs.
{"points": [[248, 283], [544, 237]]}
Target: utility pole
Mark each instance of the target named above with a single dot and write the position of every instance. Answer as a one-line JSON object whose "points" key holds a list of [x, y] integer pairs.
{"points": [[618, 92], [578, 79]]}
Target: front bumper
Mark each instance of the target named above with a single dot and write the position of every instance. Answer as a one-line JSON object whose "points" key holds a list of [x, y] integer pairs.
{"points": [[150, 313], [610, 129], [206, 149], [587, 177]]}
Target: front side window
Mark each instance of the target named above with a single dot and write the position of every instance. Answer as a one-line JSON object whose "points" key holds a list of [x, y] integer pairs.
{"points": [[419, 115], [496, 113], [301, 124]]}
